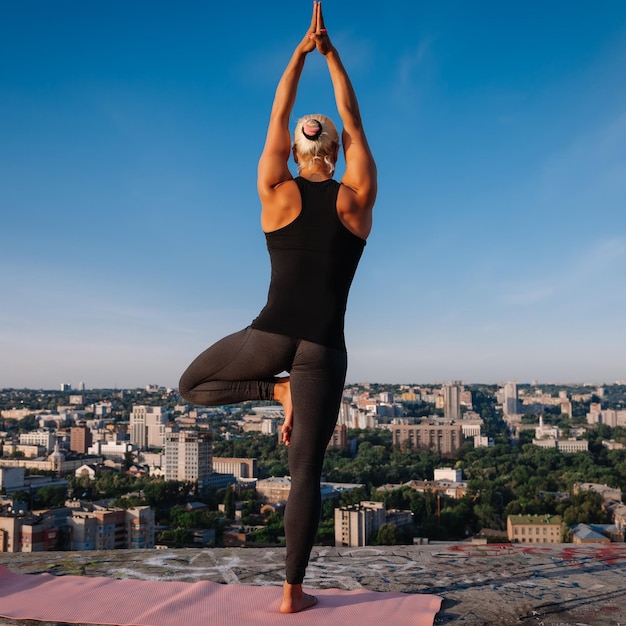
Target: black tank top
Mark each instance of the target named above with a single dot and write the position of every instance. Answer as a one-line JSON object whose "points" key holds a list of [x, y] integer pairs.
{"points": [[313, 260]]}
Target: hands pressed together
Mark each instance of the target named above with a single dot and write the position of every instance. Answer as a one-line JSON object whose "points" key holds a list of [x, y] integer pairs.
{"points": [[317, 36]]}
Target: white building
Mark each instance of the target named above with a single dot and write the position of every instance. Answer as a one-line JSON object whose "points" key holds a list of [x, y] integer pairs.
{"points": [[269, 426], [546, 432], [102, 409], [43, 437], [352, 416], [115, 450], [239, 468], [483, 441], [471, 427], [563, 445], [610, 417], [449, 473], [386, 397]]}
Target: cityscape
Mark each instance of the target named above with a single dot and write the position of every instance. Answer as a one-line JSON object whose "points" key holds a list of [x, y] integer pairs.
{"points": [[92, 469]]}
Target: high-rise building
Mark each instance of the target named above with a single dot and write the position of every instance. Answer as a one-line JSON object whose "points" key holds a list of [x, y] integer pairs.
{"points": [[355, 525], [188, 455], [452, 401], [510, 405], [147, 426], [80, 438]]}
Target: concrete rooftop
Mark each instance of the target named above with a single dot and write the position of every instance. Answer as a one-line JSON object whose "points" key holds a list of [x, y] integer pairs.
{"points": [[558, 585]]}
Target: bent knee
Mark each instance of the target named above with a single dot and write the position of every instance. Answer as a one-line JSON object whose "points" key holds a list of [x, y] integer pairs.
{"points": [[184, 389]]}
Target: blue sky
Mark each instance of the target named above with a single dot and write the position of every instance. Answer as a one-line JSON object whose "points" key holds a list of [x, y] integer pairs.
{"points": [[129, 231]]}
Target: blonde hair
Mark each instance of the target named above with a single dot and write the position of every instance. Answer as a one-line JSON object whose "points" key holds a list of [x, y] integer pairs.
{"points": [[317, 142]]}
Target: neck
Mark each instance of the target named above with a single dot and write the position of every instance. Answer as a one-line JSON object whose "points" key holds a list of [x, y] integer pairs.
{"points": [[315, 174], [315, 178]]}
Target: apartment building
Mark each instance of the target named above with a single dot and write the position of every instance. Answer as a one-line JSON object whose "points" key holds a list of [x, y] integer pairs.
{"points": [[25, 532], [77, 528], [445, 438], [610, 417], [140, 528], [188, 455], [355, 525]]}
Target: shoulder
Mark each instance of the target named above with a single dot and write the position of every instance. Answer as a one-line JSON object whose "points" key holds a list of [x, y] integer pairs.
{"points": [[281, 206], [355, 214]]}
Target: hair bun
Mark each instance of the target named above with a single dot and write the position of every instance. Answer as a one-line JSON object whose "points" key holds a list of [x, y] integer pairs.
{"points": [[312, 129]]}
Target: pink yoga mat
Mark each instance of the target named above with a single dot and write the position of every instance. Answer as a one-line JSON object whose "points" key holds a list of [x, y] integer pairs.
{"points": [[84, 600]]}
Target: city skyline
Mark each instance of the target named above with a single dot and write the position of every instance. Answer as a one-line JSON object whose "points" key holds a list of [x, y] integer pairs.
{"points": [[130, 238]]}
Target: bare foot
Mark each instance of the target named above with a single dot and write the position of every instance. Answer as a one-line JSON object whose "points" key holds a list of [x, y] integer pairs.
{"points": [[282, 394], [295, 600]]}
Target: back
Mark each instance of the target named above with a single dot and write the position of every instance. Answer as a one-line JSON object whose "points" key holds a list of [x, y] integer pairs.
{"points": [[313, 260]]}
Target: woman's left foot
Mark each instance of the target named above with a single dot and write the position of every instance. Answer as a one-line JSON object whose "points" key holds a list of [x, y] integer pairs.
{"points": [[296, 600]]}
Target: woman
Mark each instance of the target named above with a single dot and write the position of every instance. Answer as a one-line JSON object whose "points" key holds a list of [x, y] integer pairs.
{"points": [[316, 230]]}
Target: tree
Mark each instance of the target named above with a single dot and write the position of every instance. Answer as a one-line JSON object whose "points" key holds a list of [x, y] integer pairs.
{"points": [[229, 503], [387, 535], [129, 459], [585, 507], [179, 537], [50, 496], [21, 496], [28, 423]]}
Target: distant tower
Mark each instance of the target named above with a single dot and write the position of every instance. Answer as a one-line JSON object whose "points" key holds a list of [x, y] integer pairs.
{"points": [[452, 400], [147, 426], [510, 398]]}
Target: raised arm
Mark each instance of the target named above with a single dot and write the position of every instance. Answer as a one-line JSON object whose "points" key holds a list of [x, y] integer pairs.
{"points": [[360, 175], [273, 165]]}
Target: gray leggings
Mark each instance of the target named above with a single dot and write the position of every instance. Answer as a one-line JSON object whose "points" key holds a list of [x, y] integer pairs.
{"points": [[244, 366]]}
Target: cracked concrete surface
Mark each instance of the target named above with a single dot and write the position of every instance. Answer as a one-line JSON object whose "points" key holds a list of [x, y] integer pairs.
{"points": [[551, 585]]}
